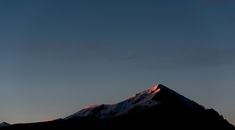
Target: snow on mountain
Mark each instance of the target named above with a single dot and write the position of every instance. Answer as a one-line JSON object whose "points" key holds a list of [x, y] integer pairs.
{"points": [[142, 100], [156, 108]]}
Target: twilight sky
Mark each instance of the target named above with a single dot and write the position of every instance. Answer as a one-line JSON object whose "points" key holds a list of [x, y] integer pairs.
{"points": [[57, 56]]}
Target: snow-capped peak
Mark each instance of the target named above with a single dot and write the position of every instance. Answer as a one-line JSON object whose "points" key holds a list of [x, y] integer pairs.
{"points": [[142, 100], [155, 89], [154, 96]]}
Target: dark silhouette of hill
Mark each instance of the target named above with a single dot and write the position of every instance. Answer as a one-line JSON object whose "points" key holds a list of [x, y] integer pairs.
{"points": [[4, 124], [158, 108]]}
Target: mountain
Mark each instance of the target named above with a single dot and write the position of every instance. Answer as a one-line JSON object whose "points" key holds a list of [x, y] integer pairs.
{"points": [[4, 124], [144, 100], [157, 108]]}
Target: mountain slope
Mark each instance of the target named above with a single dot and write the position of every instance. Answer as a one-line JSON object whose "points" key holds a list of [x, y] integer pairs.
{"points": [[156, 108], [4, 124], [155, 96]]}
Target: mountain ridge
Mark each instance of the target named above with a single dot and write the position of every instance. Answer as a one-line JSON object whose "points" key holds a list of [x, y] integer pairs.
{"points": [[144, 99], [158, 106], [4, 124]]}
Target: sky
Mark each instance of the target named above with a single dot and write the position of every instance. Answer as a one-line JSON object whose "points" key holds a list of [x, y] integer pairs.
{"points": [[57, 56]]}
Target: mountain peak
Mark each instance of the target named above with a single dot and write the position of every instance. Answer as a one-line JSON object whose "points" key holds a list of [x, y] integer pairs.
{"points": [[155, 89], [143, 100], [157, 107], [4, 124], [158, 87]]}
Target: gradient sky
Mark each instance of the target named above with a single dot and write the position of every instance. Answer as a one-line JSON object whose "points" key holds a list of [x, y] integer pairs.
{"points": [[57, 56]]}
